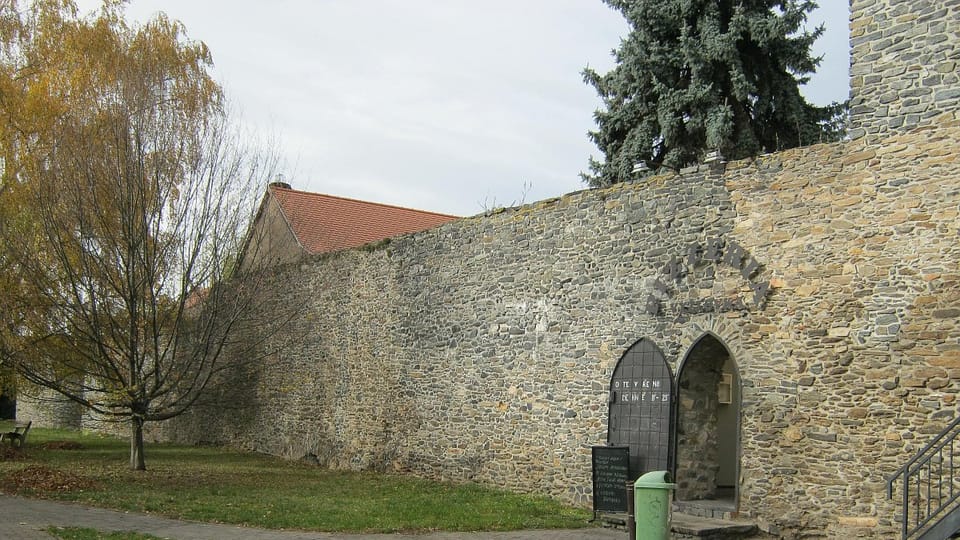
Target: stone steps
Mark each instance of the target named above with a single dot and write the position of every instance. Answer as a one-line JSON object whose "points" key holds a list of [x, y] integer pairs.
{"points": [[688, 527], [691, 527], [709, 508]]}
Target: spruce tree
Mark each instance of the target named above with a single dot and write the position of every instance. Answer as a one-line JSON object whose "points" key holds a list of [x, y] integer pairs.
{"points": [[695, 76]]}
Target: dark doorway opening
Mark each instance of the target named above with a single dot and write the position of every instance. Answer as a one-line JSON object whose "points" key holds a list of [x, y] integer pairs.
{"points": [[708, 426], [8, 407]]}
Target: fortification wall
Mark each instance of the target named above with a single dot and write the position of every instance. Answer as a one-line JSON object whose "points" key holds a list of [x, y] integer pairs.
{"points": [[46, 408], [904, 64], [482, 350]]}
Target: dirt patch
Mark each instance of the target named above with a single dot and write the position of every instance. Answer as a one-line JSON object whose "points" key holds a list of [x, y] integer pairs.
{"points": [[39, 480]]}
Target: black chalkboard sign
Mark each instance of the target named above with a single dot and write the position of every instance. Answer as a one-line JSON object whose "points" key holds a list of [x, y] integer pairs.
{"points": [[611, 472]]}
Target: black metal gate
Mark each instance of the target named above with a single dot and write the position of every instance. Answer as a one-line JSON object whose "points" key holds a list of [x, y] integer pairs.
{"points": [[641, 405]]}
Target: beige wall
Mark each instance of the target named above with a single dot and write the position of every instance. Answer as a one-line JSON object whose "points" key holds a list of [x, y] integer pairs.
{"points": [[271, 241]]}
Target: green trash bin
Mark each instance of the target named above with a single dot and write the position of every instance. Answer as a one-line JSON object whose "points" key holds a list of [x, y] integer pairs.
{"points": [[651, 494]]}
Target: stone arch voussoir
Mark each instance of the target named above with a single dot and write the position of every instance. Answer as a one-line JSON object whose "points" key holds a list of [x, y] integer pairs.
{"points": [[723, 330]]}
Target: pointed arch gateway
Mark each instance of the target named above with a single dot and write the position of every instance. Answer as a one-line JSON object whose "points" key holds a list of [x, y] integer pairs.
{"points": [[641, 408], [708, 425]]}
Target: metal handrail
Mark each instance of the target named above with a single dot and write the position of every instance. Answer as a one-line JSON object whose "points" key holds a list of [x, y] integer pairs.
{"points": [[924, 461]]}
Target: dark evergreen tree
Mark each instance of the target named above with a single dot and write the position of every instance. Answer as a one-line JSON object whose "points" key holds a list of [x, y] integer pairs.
{"points": [[695, 76]]}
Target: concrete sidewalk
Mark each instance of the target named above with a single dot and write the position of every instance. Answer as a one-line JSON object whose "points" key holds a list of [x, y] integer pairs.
{"points": [[27, 518]]}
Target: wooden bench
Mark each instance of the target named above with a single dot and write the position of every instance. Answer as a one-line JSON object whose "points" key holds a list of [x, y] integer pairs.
{"points": [[17, 437]]}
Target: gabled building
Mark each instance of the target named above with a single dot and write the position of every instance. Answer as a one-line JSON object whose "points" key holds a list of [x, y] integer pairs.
{"points": [[291, 224]]}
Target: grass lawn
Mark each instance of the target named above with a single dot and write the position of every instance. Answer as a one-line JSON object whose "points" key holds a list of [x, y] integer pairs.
{"points": [[74, 533], [216, 485]]}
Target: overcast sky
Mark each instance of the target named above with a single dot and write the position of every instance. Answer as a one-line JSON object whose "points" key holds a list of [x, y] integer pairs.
{"points": [[454, 106]]}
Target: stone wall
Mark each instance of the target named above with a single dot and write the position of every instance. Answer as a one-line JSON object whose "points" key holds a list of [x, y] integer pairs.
{"points": [[46, 408], [482, 350], [862, 342], [905, 62]]}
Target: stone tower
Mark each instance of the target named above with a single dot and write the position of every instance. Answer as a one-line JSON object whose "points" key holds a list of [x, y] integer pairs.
{"points": [[904, 60]]}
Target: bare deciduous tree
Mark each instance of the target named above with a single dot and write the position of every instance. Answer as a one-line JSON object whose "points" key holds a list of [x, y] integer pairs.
{"points": [[127, 190]]}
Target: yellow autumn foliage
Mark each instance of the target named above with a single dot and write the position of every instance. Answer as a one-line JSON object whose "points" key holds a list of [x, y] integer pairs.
{"points": [[124, 193]]}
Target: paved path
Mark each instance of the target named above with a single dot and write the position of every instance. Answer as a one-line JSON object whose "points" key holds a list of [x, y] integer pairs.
{"points": [[26, 519]]}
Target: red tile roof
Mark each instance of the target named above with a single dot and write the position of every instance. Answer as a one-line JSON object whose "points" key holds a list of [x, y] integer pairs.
{"points": [[325, 223]]}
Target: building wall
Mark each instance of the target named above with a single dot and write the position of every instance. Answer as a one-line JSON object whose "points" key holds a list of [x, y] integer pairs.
{"points": [[271, 240], [482, 350]]}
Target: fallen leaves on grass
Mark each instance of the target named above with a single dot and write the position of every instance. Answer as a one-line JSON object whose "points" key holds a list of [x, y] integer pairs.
{"points": [[40, 480], [10, 452], [62, 445]]}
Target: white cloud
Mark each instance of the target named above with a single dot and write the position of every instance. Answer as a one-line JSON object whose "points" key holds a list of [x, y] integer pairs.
{"points": [[441, 105]]}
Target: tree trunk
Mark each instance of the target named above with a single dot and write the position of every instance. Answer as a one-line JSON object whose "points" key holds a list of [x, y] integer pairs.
{"points": [[136, 445]]}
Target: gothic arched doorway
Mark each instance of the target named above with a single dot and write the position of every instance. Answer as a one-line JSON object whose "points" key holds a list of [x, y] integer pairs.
{"points": [[708, 424], [640, 407]]}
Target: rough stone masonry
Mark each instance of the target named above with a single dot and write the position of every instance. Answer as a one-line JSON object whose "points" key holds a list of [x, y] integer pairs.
{"points": [[829, 276], [483, 350]]}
